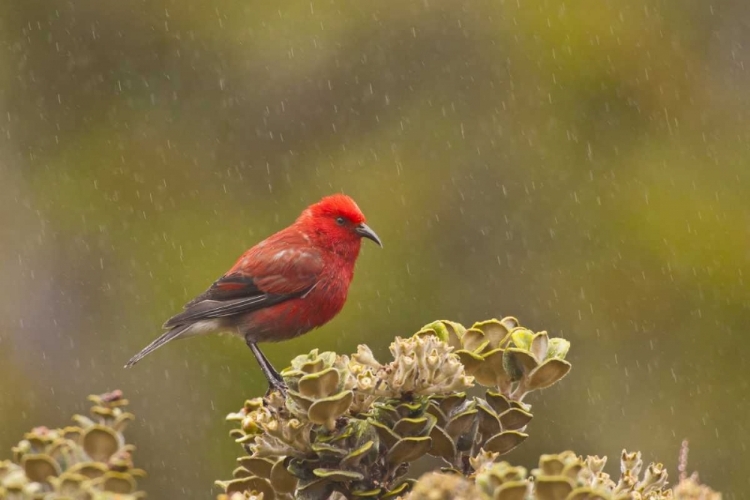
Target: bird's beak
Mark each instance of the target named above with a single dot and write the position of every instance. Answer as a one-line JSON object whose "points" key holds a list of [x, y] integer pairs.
{"points": [[366, 232]]}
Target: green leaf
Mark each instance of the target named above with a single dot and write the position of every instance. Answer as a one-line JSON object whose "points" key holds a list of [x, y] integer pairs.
{"points": [[317, 489], [522, 338], [39, 467], [100, 442], [497, 401], [356, 456], [518, 363], [489, 425], [515, 418], [257, 466], [386, 435], [408, 449], [118, 482], [539, 346], [398, 490], [495, 331], [504, 442], [558, 348], [474, 340], [415, 426], [281, 479], [443, 445], [326, 411], [548, 373], [461, 423], [553, 488], [319, 385], [586, 493], [247, 484], [371, 493], [91, 470], [512, 490], [338, 475]]}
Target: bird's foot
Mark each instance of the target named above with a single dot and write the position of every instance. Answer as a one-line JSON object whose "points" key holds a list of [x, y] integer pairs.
{"points": [[276, 386]]}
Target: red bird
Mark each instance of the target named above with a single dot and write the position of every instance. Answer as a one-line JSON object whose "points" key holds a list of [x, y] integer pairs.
{"points": [[283, 287]]}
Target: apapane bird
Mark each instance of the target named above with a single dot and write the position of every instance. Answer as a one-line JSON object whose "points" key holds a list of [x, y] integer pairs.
{"points": [[286, 285]]}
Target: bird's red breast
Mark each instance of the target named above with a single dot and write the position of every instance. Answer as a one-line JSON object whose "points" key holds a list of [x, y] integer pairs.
{"points": [[300, 259]]}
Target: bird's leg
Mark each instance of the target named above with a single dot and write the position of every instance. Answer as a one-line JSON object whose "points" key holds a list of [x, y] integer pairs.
{"points": [[275, 381]]}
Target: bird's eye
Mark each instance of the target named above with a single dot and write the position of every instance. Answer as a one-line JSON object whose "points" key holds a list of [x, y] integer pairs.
{"points": [[340, 221]]}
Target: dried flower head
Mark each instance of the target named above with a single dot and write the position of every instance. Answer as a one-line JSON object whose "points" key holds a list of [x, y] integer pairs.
{"points": [[422, 365]]}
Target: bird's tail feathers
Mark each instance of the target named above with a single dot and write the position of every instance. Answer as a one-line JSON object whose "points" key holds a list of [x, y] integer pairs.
{"points": [[163, 339]]}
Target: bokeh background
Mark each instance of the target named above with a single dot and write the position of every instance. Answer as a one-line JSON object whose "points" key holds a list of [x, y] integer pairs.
{"points": [[580, 165]]}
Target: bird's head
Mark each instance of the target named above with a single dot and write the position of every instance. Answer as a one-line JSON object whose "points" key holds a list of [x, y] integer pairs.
{"points": [[337, 221]]}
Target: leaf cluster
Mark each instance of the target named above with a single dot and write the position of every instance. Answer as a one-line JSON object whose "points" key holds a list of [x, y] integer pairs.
{"points": [[86, 461], [352, 426]]}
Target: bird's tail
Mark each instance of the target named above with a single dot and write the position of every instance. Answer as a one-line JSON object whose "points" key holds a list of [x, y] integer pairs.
{"points": [[163, 339]]}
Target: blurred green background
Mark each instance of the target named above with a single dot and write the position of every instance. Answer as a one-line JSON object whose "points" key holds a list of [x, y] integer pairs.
{"points": [[580, 165]]}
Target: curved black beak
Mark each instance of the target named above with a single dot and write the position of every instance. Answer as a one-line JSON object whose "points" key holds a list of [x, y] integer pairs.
{"points": [[366, 232]]}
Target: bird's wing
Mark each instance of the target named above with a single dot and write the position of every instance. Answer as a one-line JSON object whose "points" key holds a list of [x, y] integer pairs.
{"points": [[281, 268]]}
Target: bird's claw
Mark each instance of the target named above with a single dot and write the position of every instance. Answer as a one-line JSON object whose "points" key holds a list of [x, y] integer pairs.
{"points": [[278, 386]]}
